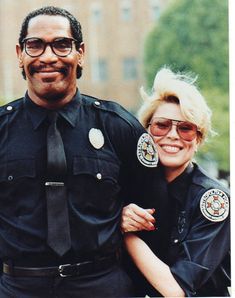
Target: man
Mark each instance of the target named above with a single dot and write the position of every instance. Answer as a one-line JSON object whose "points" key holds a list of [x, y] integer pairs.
{"points": [[67, 161]]}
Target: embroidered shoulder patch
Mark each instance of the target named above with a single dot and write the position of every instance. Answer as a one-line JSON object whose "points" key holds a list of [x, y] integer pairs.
{"points": [[214, 205], [147, 151]]}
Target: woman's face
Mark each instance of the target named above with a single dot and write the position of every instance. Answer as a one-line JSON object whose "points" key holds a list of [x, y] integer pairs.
{"points": [[175, 153]]}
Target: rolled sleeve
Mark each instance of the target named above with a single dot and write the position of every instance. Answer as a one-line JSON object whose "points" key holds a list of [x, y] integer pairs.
{"points": [[201, 253], [189, 275]]}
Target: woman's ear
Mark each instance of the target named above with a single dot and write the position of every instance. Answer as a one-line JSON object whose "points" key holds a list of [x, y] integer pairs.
{"points": [[196, 146]]}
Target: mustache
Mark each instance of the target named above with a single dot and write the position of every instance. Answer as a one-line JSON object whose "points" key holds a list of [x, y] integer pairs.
{"points": [[34, 69]]}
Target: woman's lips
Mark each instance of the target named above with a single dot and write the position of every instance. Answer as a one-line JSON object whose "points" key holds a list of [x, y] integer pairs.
{"points": [[170, 148]]}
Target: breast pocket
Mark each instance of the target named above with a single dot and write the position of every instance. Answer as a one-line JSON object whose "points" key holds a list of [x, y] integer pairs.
{"points": [[16, 180], [95, 182], [13, 171]]}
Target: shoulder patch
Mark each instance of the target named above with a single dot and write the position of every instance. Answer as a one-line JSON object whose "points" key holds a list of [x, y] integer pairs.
{"points": [[146, 151], [214, 205]]}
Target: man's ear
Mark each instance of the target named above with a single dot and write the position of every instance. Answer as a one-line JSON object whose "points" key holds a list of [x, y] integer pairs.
{"points": [[19, 55], [81, 53]]}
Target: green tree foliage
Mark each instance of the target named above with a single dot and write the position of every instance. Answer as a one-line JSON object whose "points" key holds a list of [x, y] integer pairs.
{"points": [[217, 146], [193, 36]]}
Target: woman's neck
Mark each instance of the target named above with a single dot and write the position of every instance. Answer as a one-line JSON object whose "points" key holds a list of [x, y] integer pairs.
{"points": [[172, 173]]}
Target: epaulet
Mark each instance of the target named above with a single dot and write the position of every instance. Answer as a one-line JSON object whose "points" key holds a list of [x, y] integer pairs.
{"points": [[10, 107], [202, 179], [111, 107]]}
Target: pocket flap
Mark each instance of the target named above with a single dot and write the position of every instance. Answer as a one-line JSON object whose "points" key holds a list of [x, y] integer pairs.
{"points": [[94, 166], [17, 168]]}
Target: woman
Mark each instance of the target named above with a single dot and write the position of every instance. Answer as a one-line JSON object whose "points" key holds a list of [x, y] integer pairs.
{"points": [[192, 258]]}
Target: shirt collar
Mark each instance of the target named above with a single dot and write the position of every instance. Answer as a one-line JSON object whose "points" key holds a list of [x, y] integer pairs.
{"points": [[178, 188], [38, 114]]}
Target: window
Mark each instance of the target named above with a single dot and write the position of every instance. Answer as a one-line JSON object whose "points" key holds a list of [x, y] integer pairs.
{"points": [[7, 79], [155, 10], [126, 13], [96, 13], [129, 68], [99, 70]]}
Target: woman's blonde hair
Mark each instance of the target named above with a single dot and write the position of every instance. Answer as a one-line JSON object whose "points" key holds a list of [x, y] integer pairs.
{"points": [[177, 88]]}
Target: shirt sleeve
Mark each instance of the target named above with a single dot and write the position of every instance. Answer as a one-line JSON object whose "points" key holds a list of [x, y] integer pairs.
{"points": [[139, 161], [201, 252]]}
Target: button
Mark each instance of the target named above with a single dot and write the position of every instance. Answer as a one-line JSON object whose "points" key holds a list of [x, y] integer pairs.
{"points": [[176, 240], [97, 103], [9, 178], [99, 176], [9, 108]]}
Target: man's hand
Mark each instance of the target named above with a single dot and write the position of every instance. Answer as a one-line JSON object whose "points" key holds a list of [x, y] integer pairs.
{"points": [[135, 218]]}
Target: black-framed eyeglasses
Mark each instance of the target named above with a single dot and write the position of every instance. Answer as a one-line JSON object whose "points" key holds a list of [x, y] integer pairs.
{"points": [[35, 47], [161, 126]]}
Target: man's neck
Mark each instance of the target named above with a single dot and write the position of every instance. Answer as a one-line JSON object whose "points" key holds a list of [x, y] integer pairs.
{"points": [[51, 103]]}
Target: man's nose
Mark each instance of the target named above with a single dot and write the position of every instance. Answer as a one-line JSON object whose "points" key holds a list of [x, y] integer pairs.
{"points": [[48, 54]]}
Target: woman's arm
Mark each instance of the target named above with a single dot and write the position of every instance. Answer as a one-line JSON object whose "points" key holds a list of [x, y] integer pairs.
{"points": [[156, 272]]}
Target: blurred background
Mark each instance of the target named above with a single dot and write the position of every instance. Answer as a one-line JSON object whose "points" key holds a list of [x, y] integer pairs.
{"points": [[127, 41]]}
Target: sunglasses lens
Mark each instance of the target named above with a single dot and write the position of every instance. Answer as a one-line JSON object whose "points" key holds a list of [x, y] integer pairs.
{"points": [[187, 131], [160, 127]]}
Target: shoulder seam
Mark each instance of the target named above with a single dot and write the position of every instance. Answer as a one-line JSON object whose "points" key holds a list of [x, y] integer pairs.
{"points": [[101, 106]]}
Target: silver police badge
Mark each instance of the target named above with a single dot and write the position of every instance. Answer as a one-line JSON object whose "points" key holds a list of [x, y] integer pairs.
{"points": [[214, 205], [147, 151], [96, 138]]}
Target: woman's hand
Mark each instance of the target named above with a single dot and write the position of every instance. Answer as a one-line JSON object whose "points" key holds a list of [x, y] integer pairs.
{"points": [[135, 218]]}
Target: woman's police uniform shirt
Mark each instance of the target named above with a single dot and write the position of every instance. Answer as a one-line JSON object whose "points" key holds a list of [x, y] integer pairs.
{"points": [[196, 245], [109, 158]]}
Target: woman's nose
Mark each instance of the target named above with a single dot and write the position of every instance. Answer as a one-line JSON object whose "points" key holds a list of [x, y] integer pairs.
{"points": [[173, 132]]}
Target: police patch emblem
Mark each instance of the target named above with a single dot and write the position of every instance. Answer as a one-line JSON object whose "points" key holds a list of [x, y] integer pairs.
{"points": [[96, 138], [214, 205], [146, 151]]}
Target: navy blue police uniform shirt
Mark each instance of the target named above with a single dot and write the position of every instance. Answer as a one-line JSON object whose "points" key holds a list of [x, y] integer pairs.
{"points": [[196, 245], [110, 158]]}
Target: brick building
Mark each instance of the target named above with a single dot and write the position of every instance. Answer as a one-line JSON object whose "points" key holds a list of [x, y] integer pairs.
{"points": [[114, 33]]}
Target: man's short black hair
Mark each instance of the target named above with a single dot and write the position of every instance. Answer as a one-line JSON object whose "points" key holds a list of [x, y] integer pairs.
{"points": [[75, 26]]}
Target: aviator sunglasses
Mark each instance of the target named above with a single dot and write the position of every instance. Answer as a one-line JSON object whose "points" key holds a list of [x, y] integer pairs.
{"points": [[160, 127]]}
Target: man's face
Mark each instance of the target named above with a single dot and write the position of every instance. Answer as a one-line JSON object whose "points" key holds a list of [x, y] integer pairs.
{"points": [[51, 79]]}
